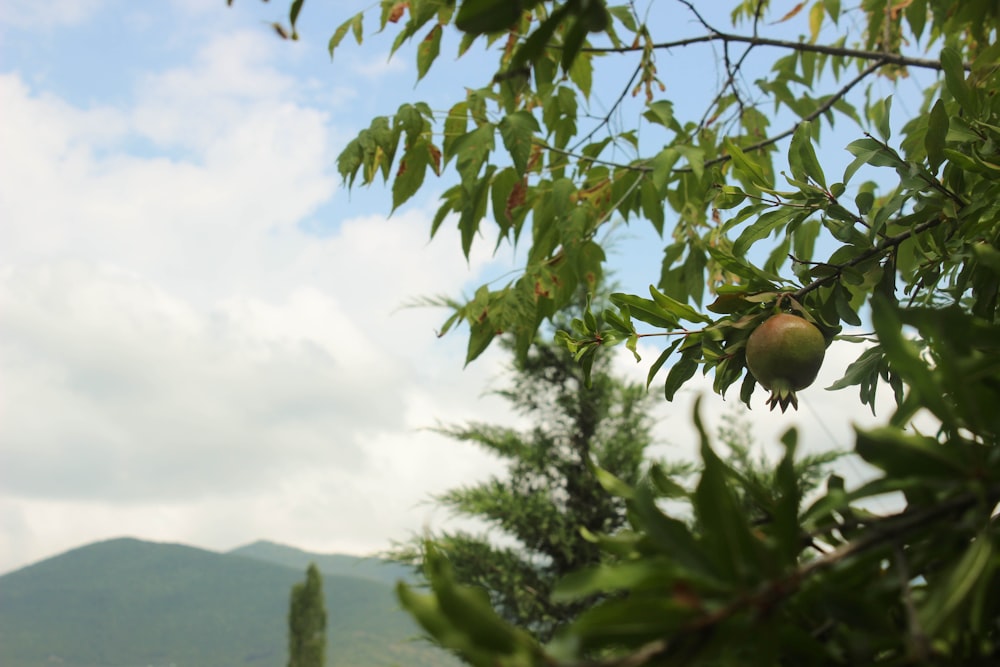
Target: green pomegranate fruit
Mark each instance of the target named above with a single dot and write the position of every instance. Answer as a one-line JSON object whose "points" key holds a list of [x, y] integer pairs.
{"points": [[785, 354]]}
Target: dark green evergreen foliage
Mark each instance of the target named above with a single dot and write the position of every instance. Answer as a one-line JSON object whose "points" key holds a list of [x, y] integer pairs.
{"points": [[307, 622], [126, 602], [756, 476], [551, 490]]}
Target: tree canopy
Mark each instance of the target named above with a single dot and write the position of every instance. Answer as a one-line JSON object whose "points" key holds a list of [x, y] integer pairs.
{"points": [[754, 222]]}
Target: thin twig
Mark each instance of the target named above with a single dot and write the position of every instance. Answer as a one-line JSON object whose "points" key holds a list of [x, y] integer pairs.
{"points": [[820, 110], [881, 248], [715, 36], [816, 113], [614, 107]]}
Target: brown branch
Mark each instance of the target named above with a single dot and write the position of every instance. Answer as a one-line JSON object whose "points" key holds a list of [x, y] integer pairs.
{"points": [[892, 527], [881, 248], [861, 54]]}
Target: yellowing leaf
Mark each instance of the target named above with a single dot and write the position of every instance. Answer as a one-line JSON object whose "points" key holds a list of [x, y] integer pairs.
{"points": [[815, 22]]}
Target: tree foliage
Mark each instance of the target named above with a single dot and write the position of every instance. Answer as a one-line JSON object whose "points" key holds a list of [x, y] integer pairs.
{"points": [[542, 510], [307, 622], [754, 221]]}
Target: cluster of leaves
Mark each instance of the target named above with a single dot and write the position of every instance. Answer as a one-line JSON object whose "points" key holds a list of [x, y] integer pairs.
{"points": [[916, 246], [525, 160]]}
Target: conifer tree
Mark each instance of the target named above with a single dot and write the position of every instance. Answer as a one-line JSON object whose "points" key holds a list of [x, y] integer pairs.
{"points": [[550, 496], [307, 622]]}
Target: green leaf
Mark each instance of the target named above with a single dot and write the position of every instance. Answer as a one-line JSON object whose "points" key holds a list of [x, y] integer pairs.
{"points": [[729, 196], [749, 168], [574, 36], [937, 133], [581, 72], [761, 228], [660, 112], [906, 360], [660, 360], [428, 50], [473, 209], [948, 593], [471, 150], [535, 44], [480, 336], [483, 16], [695, 158], [630, 621], [610, 578], [954, 79], [802, 157], [646, 310], [879, 114], [624, 14], [726, 533], [357, 27], [424, 608], [517, 130], [341, 32], [864, 201], [904, 455], [293, 13], [680, 372], [680, 310], [652, 204], [842, 303], [785, 517], [670, 536], [410, 175], [455, 126], [610, 482]]}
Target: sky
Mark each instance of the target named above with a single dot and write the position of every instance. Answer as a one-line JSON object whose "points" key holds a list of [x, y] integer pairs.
{"points": [[203, 334]]}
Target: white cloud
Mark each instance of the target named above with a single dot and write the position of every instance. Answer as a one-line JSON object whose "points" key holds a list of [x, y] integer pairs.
{"points": [[180, 360], [30, 14], [377, 65]]}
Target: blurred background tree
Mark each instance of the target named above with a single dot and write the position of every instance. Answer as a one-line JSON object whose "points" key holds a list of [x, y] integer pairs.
{"points": [[307, 622]]}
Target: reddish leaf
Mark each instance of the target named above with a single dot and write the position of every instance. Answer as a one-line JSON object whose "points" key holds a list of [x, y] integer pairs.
{"points": [[795, 10], [397, 11]]}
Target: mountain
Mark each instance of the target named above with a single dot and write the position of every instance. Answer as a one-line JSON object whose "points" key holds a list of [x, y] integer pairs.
{"points": [[335, 564], [129, 603]]}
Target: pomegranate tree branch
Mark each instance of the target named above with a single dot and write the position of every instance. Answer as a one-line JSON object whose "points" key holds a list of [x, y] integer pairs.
{"points": [[883, 532], [755, 40], [886, 245]]}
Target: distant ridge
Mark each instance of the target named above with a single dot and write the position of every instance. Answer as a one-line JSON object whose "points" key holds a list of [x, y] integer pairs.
{"points": [[335, 564], [131, 603]]}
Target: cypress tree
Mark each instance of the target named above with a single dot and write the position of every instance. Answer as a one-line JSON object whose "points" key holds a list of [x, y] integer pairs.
{"points": [[307, 622]]}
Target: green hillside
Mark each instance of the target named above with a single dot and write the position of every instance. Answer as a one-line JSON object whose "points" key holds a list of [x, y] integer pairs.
{"points": [[127, 603], [329, 564]]}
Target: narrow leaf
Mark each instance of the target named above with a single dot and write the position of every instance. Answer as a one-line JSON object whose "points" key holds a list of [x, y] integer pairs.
{"points": [[428, 50]]}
